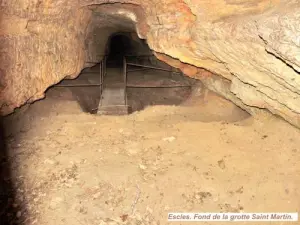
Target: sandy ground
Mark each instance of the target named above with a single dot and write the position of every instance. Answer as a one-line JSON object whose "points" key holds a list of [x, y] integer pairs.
{"points": [[204, 155]]}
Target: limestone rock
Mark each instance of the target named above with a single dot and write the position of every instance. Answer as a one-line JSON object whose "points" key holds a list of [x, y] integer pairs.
{"points": [[250, 46]]}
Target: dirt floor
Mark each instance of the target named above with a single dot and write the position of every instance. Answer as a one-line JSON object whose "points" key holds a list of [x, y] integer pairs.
{"points": [[203, 155]]}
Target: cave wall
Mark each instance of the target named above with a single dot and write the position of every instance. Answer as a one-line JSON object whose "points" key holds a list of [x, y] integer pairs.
{"points": [[235, 42], [40, 44], [251, 45]]}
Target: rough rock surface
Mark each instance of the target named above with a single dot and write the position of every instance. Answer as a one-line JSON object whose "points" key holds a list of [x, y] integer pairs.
{"points": [[253, 46]]}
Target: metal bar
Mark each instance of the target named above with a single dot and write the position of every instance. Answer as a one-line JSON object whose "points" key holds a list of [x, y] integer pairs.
{"points": [[104, 66], [125, 78], [128, 71], [150, 67], [129, 86], [164, 86], [103, 63], [100, 89], [102, 76]]}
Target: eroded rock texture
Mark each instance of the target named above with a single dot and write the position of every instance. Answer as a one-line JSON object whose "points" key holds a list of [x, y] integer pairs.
{"points": [[246, 50]]}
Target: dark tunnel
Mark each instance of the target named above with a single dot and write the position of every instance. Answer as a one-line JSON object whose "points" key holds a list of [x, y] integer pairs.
{"points": [[119, 46]]}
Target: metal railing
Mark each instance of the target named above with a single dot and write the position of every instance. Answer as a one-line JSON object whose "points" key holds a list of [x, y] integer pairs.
{"points": [[143, 67], [103, 73]]}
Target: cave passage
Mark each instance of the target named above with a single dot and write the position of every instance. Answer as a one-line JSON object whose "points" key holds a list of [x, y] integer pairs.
{"points": [[142, 87], [135, 67], [118, 47], [61, 165]]}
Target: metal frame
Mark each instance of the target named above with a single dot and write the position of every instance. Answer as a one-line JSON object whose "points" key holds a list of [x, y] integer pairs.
{"points": [[102, 73], [127, 86], [151, 67]]}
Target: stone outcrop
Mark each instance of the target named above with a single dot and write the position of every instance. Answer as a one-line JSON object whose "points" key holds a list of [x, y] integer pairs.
{"points": [[250, 48]]}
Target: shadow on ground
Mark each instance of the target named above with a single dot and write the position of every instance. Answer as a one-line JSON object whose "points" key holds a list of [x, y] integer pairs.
{"points": [[10, 209]]}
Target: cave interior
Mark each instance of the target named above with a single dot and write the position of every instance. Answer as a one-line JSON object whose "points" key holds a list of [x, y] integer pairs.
{"points": [[119, 113], [145, 79]]}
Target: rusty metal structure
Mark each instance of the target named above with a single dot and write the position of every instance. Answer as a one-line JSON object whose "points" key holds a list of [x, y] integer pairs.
{"points": [[102, 73], [113, 94]]}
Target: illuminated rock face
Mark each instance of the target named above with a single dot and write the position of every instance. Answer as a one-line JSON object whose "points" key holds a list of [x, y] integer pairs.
{"points": [[251, 47]]}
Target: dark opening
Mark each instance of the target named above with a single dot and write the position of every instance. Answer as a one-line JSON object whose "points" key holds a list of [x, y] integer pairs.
{"points": [[119, 46]]}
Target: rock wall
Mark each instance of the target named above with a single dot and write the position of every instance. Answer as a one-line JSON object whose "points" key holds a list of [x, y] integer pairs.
{"points": [[40, 44], [251, 46]]}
